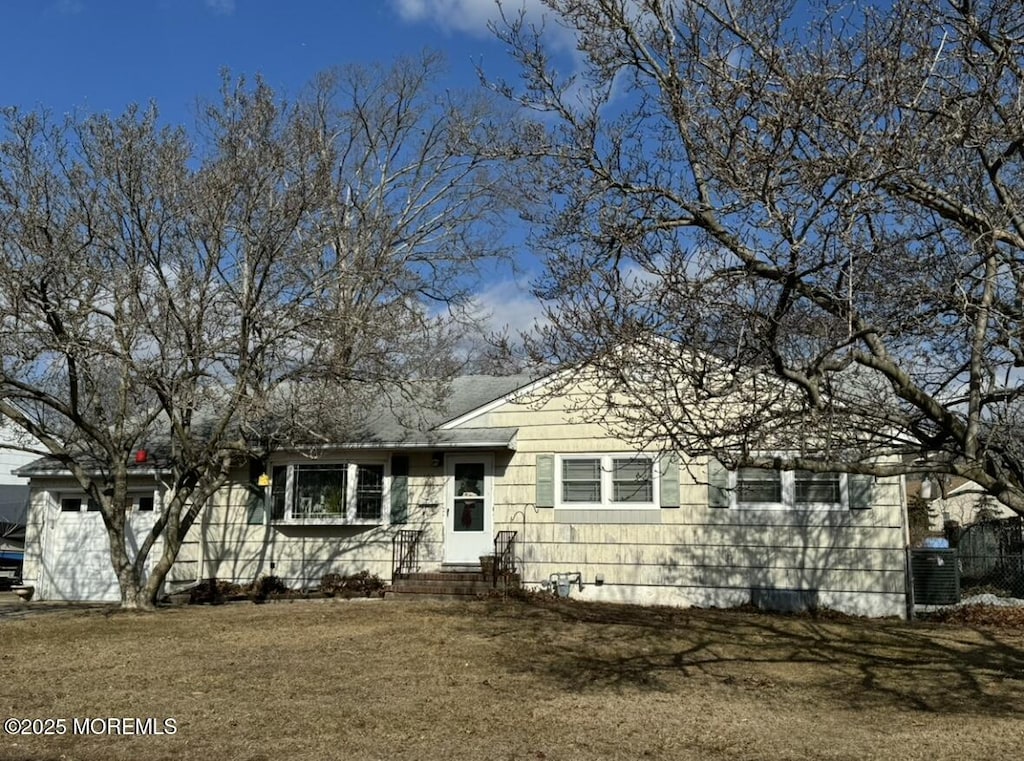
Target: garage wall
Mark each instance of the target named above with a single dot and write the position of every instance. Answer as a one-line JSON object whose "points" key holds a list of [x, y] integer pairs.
{"points": [[67, 555]]}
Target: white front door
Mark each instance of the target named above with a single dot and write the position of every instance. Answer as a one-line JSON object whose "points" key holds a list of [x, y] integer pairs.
{"points": [[468, 528]]}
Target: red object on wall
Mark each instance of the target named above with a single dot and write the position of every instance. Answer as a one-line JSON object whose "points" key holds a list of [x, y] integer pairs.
{"points": [[140, 456]]}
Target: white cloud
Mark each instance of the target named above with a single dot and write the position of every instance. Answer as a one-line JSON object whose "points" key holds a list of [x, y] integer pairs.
{"points": [[467, 16], [221, 7], [474, 17], [68, 7], [508, 306]]}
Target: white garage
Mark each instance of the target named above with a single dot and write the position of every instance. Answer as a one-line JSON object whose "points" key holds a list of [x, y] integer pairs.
{"points": [[73, 560]]}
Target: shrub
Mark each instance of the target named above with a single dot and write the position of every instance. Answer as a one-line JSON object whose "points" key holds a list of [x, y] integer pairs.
{"points": [[361, 584], [265, 586], [213, 592]]}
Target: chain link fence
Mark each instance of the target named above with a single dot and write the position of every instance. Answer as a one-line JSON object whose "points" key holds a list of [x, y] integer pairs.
{"points": [[999, 575], [990, 557]]}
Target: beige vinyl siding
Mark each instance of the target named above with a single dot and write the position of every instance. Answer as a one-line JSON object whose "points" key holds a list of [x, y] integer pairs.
{"points": [[851, 560], [301, 555]]}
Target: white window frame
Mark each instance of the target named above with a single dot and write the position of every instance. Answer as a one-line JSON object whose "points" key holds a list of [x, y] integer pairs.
{"points": [[788, 478], [79, 495], [133, 494], [350, 516], [607, 485], [156, 503]]}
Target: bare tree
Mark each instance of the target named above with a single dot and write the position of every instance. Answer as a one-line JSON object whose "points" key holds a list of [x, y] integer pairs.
{"points": [[807, 218], [212, 296]]}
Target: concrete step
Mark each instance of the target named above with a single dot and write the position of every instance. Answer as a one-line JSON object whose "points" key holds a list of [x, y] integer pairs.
{"points": [[452, 584], [442, 587], [443, 576], [425, 597], [460, 568]]}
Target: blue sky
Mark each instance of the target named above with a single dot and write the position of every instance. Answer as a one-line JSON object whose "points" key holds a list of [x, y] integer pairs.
{"points": [[100, 55], [88, 56]]}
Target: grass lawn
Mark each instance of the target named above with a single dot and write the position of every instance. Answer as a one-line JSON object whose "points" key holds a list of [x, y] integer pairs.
{"points": [[510, 680]]}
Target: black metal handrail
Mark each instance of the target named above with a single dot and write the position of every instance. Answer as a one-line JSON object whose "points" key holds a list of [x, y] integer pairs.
{"points": [[504, 555], [404, 547]]}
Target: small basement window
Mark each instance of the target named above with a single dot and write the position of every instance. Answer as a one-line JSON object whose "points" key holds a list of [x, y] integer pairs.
{"points": [[78, 504]]}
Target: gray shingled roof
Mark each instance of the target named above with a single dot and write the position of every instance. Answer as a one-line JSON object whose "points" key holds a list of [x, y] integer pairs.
{"points": [[394, 429], [469, 392]]}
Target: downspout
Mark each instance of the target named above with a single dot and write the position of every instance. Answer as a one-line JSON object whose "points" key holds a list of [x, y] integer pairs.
{"points": [[201, 564], [908, 576], [522, 553]]}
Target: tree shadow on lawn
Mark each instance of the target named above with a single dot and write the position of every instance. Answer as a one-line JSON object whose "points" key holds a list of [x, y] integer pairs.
{"points": [[851, 662]]}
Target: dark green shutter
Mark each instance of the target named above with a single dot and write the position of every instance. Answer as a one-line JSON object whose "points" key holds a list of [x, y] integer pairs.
{"points": [[400, 489], [255, 495], [718, 484], [859, 488], [278, 489], [255, 505], [669, 480], [545, 480]]}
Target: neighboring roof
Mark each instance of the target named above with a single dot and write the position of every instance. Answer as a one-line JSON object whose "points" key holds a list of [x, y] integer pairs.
{"points": [[389, 427], [14, 504], [958, 486], [12, 533], [13, 515]]}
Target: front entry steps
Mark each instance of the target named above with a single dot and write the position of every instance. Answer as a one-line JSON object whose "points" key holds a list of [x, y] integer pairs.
{"points": [[450, 582]]}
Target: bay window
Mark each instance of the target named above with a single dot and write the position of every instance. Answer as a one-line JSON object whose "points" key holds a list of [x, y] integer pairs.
{"points": [[344, 492]]}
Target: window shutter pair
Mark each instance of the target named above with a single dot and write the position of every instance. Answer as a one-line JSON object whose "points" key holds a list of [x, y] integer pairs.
{"points": [[545, 488]]}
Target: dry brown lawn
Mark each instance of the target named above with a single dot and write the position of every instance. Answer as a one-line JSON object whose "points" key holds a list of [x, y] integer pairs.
{"points": [[503, 680]]}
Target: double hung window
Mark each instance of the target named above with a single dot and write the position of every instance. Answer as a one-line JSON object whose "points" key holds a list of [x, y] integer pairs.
{"points": [[606, 481], [756, 488]]}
